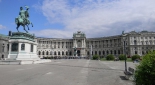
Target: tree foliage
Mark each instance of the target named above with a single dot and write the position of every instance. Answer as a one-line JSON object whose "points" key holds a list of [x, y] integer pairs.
{"points": [[110, 57], [122, 57], [134, 57], [95, 57], [145, 71]]}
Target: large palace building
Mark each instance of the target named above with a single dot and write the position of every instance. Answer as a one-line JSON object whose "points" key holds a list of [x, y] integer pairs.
{"points": [[80, 46], [135, 43]]}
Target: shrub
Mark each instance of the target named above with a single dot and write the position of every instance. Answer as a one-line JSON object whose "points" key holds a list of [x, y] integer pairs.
{"points": [[135, 57], [95, 57], [122, 57], [110, 57], [102, 57], [44, 57], [145, 71]]}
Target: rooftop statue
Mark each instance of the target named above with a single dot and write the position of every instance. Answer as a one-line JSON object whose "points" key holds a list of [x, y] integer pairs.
{"points": [[23, 19]]}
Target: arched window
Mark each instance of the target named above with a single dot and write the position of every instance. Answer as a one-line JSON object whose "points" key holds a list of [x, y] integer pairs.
{"points": [[2, 56], [95, 52], [59, 53], [47, 53], [88, 53], [103, 52], [70, 53], [111, 51], [66, 53], [119, 52], [143, 52], [99, 52], [39, 53], [115, 52], [107, 52], [135, 42], [55, 53], [51, 53], [62, 52], [43, 53]]}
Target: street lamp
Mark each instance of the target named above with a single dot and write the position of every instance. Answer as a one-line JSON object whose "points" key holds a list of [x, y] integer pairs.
{"points": [[91, 51], [124, 39], [75, 51]]}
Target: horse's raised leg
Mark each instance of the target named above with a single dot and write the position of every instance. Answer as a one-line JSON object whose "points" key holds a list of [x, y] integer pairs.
{"points": [[17, 27], [28, 27], [31, 24], [25, 29]]}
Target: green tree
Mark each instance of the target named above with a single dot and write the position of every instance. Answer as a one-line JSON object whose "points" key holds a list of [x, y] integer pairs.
{"points": [[145, 71], [122, 57], [110, 57], [135, 57], [95, 57]]}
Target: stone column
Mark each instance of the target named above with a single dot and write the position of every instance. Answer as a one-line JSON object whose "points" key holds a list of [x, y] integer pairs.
{"points": [[84, 43], [19, 46], [75, 43], [10, 48]]}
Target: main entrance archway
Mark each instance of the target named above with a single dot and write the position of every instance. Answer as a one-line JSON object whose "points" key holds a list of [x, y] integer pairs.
{"points": [[78, 52]]}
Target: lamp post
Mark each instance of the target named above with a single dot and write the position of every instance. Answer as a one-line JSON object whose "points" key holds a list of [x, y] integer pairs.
{"points": [[75, 51], [124, 39], [90, 51]]}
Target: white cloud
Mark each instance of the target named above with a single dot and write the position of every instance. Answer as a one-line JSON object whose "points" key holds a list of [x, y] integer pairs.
{"points": [[98, 18], [2, 27]]}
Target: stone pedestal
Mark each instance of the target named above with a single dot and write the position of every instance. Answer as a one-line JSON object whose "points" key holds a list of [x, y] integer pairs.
{"points": [[22, 46]]}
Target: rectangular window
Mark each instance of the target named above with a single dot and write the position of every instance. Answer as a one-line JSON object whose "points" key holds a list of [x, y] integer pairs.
{"points": [[14, 47], [31, 48], [8, 47], [22, 46]]}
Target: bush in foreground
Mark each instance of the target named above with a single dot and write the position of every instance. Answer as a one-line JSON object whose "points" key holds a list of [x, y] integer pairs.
{"points": [[145, 71], [110, 57]]}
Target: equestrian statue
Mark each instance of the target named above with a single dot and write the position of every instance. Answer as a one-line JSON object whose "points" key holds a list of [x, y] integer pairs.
{"points": [[23, 19]]}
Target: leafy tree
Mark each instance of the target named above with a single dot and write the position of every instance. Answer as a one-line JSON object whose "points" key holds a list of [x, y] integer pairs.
{"points": [[135, 57], [95, 57], [122, 57], [110, 57], [145, 71]]}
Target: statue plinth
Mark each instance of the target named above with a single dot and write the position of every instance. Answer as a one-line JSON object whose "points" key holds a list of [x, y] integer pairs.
{"points": [[21, 35], [22, 46]]}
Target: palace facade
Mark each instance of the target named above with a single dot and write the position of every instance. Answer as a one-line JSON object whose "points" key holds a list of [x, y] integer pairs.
{"points": [[80, 46], [130, 43]]}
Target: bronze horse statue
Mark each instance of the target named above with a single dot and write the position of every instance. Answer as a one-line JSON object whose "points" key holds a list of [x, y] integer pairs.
{"points": [[23, 19]]}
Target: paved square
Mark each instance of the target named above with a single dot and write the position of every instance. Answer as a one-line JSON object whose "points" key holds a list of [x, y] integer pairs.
{"points": [[66, 72]]}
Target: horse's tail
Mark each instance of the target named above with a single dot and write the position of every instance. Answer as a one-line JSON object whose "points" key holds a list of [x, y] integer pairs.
{"points": [[16, 20]]}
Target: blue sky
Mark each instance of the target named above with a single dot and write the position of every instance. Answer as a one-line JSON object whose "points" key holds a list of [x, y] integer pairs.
{"points": [[96, 18]]}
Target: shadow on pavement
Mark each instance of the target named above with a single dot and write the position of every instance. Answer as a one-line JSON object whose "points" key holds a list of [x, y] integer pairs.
{"points": [[123, 77]]}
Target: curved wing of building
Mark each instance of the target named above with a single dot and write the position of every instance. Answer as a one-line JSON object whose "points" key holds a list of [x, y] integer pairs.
{"points": [[135, 43], [79, 46]]}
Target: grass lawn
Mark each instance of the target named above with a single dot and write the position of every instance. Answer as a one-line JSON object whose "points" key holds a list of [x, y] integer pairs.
{"points": [[103, 59]]}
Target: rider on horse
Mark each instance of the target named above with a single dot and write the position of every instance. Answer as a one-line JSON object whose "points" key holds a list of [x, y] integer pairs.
{"points": [[23, 18]]}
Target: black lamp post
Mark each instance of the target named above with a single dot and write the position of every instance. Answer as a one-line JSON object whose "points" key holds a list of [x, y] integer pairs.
{"points": [[124, 39]]}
